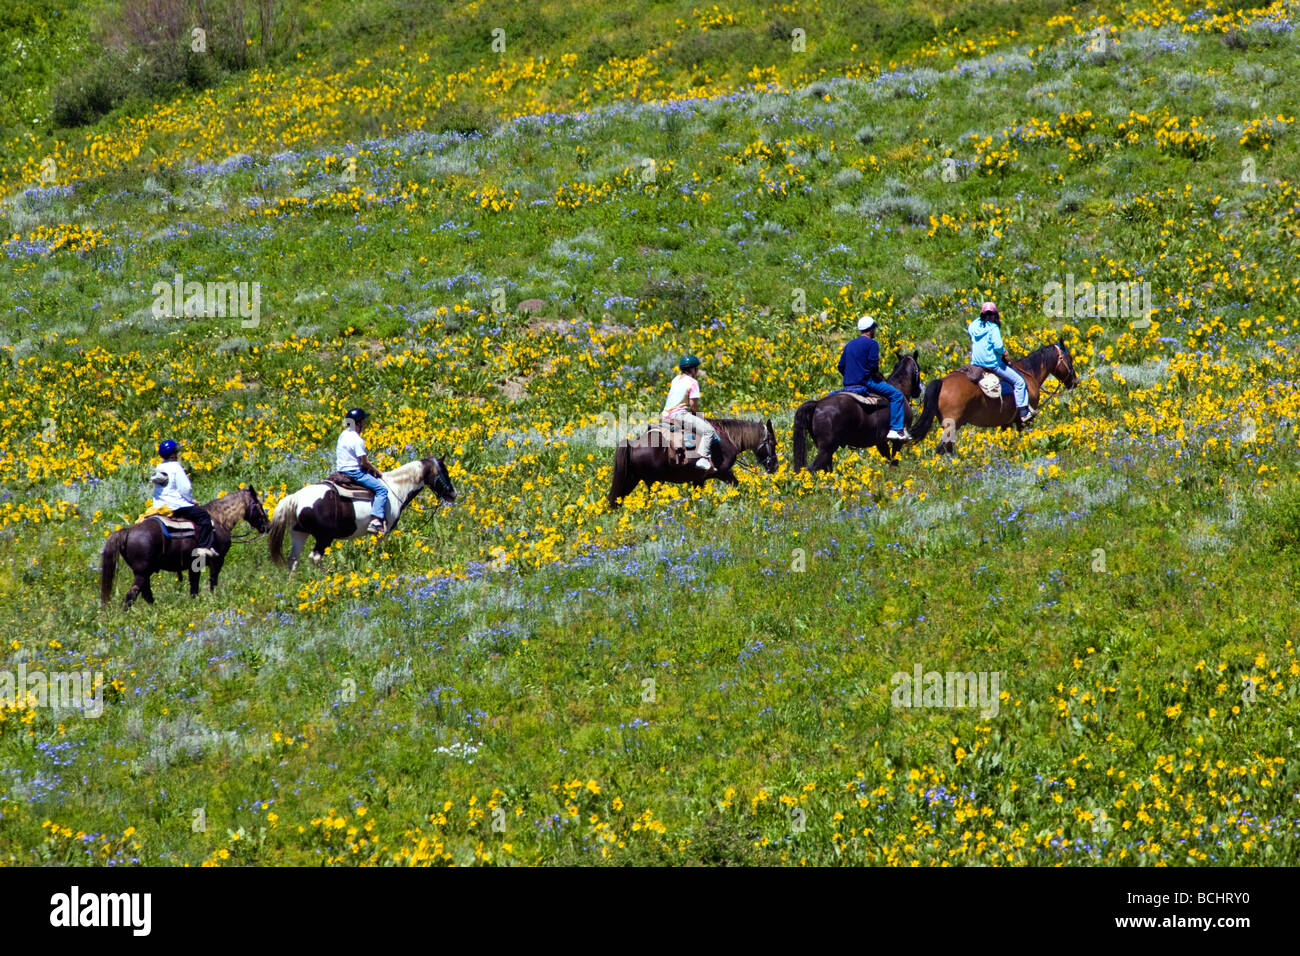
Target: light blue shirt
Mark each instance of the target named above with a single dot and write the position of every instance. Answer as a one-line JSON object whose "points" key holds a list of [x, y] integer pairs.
{"points": [[986, 344]]}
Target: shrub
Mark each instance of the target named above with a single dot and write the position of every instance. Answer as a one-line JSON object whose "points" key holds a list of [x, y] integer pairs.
{"points": [[1279, 520], [866, 135]]}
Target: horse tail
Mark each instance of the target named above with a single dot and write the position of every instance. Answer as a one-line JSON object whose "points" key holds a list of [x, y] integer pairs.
{"points": [[622, 464], [286, 513], [929, 411], [108, 563], [802, 424]]}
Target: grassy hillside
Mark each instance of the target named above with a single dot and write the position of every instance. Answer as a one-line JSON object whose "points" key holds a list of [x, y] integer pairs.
{"points": [[704, 676]]}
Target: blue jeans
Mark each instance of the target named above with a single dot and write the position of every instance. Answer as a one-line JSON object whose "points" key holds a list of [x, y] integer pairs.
{"points": [[1008, 374], [374, 484], [885, 390]]}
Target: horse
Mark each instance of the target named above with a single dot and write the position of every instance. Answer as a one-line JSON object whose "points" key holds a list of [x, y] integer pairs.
{"points": [[956, 400], [840, 420], [318, 511], [647, 458], [146, 549]]}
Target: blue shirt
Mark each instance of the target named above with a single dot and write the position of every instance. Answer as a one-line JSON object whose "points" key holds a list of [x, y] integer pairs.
{"points": [[860, 361], [986, 344]]}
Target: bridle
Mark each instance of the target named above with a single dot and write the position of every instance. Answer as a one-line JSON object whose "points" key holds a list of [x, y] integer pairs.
{"points": [[251, 532], [1069, 365]]}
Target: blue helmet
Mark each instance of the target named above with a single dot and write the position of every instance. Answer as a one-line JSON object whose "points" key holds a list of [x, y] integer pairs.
{"points": [[168, 447]]}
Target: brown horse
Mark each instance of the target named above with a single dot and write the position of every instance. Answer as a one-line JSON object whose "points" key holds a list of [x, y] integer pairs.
{"points": [[956, 400], [646, 459], [146, 549], [840, 420]]}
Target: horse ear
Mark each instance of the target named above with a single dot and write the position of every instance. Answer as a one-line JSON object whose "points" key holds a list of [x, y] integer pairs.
{"points": [[769, 425], [916, 354]]}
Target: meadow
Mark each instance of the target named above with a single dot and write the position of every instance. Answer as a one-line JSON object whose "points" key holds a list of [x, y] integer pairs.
{"points": [[703, 676]]}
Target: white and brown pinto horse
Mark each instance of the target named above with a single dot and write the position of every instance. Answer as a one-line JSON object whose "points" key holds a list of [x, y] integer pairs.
{"points": [[318, 511]]}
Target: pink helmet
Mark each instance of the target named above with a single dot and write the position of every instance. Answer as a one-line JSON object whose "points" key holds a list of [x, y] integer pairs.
{"points": [[988, 307]]}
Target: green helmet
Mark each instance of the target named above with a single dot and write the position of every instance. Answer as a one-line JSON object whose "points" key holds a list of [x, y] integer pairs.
{"points": [[689, 361]]}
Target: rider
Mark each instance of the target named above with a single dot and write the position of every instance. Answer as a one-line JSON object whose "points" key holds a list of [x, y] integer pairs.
{"points": [[682, 405], [350, 459], [172, 488], [860, 366], [986, 349]]}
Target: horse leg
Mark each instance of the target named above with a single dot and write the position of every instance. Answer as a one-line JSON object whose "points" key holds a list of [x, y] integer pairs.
{"points": [[214, 571], [948, 441], [299, 539], [888, 451], [318, 552], [146, 591], [728, 476], [194, 583], [825, 460], [132, 593], [616, 495]]}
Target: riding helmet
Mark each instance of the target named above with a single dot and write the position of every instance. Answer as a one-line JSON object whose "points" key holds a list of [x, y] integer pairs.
{"points": [[358, 415], [689, 361], [168, 447]]}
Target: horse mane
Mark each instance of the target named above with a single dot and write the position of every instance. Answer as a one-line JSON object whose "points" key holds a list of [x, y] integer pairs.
{"points": [[740, 431], [404, 477], [1036, 362], [227, 510]]}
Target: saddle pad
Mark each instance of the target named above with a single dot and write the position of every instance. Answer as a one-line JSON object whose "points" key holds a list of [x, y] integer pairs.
{"points": [[664, 435], [872, 401], [174, 527], [989, 384], [350, 491]]}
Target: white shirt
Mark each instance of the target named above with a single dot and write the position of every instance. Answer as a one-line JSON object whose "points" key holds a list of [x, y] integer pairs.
{"points": [[680, 392], [351, 448], [172, 486]]}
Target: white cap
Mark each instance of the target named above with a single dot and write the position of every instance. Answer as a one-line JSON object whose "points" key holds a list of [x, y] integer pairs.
{"points": [[866, 322]]}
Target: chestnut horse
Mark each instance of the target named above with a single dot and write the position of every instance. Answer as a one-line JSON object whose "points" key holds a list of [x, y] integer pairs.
{"points": [[840, 420], [146, 549], [956, 400], [645, 459], [318, 512]]}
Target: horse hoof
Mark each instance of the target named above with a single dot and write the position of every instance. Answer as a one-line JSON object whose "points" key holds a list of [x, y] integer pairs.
{"points": [[316, 557]]}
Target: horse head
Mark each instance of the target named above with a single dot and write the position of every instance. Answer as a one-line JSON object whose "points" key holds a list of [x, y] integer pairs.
{"points": [[906, 376], [766, 450], [254, 513], [1064, 367], [434, 475]]}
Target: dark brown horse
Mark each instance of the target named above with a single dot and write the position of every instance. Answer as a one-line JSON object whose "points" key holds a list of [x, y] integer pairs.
{"points": [[318, 512], [840, 420], [146, 549], [646, 459], [955, 400]]}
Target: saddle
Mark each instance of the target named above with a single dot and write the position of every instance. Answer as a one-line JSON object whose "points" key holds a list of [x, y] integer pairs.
{"points": [[347, 487], [871, 401], [174, 527], [669, 434], [989, 384]]}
